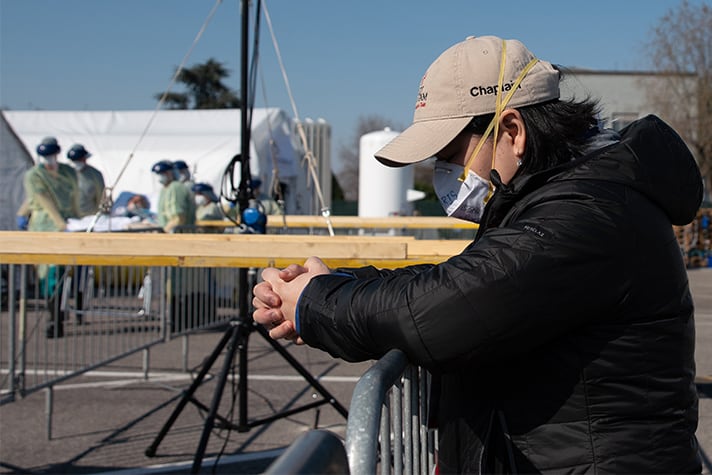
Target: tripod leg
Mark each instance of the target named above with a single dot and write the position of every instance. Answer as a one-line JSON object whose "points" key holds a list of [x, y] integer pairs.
{"points": [[217, 396], [151, 451], [301, 370]]}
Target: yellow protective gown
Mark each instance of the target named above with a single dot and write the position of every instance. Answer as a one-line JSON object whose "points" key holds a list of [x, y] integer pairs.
{"points": [[176, 206], [91, 190], [52, 197]]}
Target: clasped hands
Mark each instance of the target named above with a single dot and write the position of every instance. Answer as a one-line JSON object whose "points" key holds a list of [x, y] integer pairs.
{"points": [[275, 298]]}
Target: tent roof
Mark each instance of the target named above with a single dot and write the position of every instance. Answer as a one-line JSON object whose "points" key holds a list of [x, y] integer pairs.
{"points": [[206, 140]]}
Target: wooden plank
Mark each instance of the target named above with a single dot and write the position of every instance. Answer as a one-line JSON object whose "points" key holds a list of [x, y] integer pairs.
{"points": [[355, 222], [220, 250], [227, 250], [229, 262]]}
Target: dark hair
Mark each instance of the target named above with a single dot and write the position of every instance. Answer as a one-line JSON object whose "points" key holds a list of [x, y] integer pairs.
{"points": [[557, 131]]}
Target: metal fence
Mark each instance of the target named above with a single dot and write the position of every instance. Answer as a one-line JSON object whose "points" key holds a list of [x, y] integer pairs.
{"points": [[386, 430], [387, 423], [59, 321]]}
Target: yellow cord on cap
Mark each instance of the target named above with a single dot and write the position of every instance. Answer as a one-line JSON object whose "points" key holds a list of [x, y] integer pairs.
{"points": [[500, 104]]}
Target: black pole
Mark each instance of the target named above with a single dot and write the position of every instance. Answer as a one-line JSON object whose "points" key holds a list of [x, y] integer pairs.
{"points": [[244, 195], [238, 341], [236, 338], [245, 188]]}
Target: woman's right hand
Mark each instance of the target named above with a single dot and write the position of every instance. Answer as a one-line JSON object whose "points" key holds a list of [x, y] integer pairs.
{"points": [[276, 297]]}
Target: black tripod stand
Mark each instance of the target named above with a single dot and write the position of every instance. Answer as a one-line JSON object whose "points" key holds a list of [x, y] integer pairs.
{"points": [[236, 338]]}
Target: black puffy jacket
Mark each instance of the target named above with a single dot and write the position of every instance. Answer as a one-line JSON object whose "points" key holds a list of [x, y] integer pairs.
{"points": [[564, 335]]}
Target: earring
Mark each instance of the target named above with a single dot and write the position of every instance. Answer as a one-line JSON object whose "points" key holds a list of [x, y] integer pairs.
{"points": [[519, 162]]}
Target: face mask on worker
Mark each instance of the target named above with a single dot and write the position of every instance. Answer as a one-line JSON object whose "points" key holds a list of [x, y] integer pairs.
{"points": [[163, 178], [201, 200], [460, 199], [50, 161], [78, 166]]}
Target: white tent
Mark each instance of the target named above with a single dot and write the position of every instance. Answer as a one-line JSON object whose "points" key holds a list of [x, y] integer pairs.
{"points": [[206, 140], [14, 162]]}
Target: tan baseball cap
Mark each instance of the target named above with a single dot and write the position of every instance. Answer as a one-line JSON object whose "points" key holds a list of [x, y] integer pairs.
{"points": [[462, 84]]}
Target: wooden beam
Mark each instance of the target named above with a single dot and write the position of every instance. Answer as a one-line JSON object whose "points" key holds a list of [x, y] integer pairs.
{"points": [[217, 250], [355, 222]]}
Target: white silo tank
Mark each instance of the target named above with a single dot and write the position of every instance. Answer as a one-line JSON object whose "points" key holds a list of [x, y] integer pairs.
{"points": [[382, 190]]}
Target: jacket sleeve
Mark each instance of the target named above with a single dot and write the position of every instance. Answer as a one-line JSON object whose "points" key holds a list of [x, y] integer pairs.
{"points": [[517, 287], [370, 271]]}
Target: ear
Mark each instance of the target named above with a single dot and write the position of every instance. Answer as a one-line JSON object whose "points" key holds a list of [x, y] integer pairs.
{"points": [[513, 131]]}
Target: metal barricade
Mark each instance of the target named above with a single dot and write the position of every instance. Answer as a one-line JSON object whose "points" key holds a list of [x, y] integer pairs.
{"points": [[60, 321], [316, 451], [386, 428], [387, 420]]}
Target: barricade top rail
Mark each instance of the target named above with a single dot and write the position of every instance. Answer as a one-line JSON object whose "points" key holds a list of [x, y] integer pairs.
{"points": [[356, 222], [316, 451], [219, 250]]}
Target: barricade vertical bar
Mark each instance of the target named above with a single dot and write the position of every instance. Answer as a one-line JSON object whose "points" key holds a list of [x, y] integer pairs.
{"points": [[163, 303], [77, 360], [114, 344], [385, 433], [408, 420], [11, 332], [49, 402], [415, 417], [54, 316], [423, 439], [83, 302], [184, 352], [22, 333], [145, 363], [397, 401], [167, 280]]}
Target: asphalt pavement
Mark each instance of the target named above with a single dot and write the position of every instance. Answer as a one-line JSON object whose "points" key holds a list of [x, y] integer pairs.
{"points": [[105, 421]]}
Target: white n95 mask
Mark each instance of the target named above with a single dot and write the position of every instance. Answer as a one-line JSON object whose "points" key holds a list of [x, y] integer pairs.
{"points": [[49, 161], [460, 199]]}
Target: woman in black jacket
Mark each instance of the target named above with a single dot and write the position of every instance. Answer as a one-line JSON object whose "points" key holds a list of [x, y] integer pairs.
{"points": [[563, 336]]}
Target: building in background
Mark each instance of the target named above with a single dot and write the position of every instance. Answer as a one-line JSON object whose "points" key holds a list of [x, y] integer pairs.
{"points": [[624, 95]]}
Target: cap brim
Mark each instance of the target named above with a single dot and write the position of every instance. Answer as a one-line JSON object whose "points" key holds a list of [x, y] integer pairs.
{"points": [[421, 141]]}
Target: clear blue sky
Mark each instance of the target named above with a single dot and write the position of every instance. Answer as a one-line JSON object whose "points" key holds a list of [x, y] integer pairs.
{"points": [[344, 59]]}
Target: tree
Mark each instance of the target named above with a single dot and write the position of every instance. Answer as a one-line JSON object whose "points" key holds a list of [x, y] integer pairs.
{"points": [[680, 49], [205, 88]]}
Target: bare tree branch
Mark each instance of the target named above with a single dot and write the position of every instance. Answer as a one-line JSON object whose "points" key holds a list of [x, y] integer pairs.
{"points": [[680, 49]]}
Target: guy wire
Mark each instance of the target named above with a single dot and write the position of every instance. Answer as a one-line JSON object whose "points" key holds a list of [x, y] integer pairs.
{"points": [[309, 156]]}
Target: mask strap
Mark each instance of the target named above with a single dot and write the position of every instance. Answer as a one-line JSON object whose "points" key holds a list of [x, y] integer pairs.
{"points": [[500, 104], [466, 171]]}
